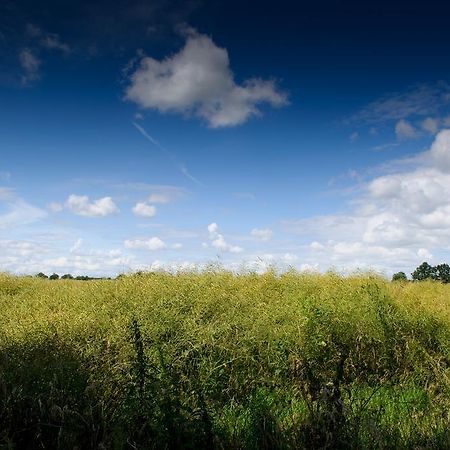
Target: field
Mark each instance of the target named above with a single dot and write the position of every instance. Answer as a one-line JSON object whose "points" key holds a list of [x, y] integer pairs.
{"points": [[216, 360]]}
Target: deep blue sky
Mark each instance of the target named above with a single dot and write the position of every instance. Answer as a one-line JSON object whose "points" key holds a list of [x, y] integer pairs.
{"points": [[300, 129]]}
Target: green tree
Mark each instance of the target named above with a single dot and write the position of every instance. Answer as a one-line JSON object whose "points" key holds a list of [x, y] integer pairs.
{"points": [[424, 272], [443, 273], [399, 276], [54, 276], [67, 276], [41, 275]]}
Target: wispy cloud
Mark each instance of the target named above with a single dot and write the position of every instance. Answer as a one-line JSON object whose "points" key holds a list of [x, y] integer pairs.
{"points": [[20, 213], [418, 101], [30, 56], [405, 130], [31, 66], [181, 167]]}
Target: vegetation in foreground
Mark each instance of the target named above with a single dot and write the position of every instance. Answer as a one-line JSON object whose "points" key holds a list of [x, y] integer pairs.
{"points": [[216, 360]]}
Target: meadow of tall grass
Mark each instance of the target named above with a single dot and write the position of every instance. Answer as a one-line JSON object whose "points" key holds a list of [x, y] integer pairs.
{"points": [[219, 360]]}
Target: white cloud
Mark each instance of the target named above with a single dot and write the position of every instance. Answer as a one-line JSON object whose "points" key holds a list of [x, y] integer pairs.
{"points": [[198, 80], [80, 205], [20, 213], [218, 241], [48, 41], [55, 207], [440, 151], [159, 198], [430, 125], [18, 248], [404, 130], [289, 258], [424, 254], [398, 221], [422, 100], [31, 66], [144, 210], [76, 246], [317, 246], [6, 194], [52, 41], [264, 234], [38, 41], [153, 243]]}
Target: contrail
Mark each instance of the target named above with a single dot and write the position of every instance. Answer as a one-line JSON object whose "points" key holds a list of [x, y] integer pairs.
{"points": [[181, 167]]}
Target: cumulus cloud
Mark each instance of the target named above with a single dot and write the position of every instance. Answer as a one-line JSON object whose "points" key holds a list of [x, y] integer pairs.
{"points": [[198, 80], [264, 234], [144, 210], [397, 222], [218, 241], [153, 243], [404, 130], [317, 246], [440, 151], [80, 205]]}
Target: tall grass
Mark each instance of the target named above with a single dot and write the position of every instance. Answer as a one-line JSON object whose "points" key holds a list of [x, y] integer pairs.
{"points": [[216, 360]]}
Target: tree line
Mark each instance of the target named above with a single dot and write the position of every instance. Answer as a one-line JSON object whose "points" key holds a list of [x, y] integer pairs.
{"points": [[68, 276], [425, 271]]}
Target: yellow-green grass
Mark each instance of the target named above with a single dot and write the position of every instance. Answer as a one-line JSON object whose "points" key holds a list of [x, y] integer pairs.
{"points": [[220, 360]]}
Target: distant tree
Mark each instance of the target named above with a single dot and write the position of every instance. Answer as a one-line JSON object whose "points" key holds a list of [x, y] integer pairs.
{"points": [[443, 273], [67, 276], [54, 276], [41, 275], [424, 272], [399, 276]]}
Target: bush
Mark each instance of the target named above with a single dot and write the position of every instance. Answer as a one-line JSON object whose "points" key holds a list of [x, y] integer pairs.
{"points": [[399, 276]]}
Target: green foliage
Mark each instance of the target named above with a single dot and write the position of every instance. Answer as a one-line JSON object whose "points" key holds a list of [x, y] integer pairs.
{"points": [[41, 275], [53, 276], [67, 276], [424, 272], [399, 276], [216, 360], [441, 272]]}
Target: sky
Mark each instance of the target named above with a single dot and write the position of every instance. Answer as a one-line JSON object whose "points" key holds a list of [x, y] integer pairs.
{"points": [[171, 135]]}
